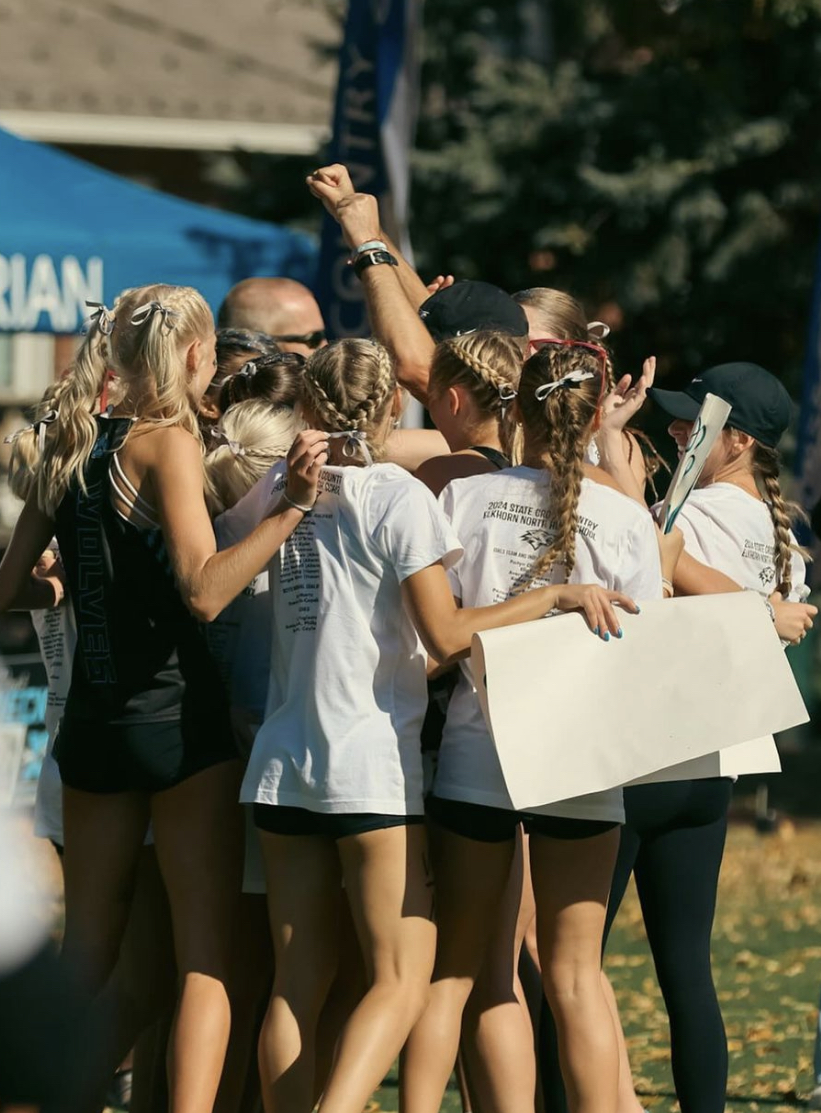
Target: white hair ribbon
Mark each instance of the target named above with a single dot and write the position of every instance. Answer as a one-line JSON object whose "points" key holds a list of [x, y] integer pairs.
{"points": [[38, 426], [571, 379], [248, 370], [355, 441], [506, 396], [598, 329], [144, 313], [101, 316], [221, 437]]}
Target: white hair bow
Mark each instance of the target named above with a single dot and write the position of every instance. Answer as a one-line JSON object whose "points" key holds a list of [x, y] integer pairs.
{"points": [[38, 426], [355, 441], [101, 316], [144, 313], [571, 379]]}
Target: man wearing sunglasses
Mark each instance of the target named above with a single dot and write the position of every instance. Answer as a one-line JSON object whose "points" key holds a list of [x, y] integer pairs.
{"points": [[286, 310]]}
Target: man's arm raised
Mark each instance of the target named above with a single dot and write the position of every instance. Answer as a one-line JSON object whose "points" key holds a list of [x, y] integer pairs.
{"points": [[394, 318]]}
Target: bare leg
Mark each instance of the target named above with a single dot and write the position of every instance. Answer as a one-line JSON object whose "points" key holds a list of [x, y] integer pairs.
{"points": [[198, 833], [252, 968], [628, 1102], [497, 1033], [303, 880], [470, 881], [143, 985], [571, 880], [389, 887], [103, 837], [349, 987]]}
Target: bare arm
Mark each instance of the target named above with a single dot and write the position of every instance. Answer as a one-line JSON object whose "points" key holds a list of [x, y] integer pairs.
{"points": [[412, 285], [446, 629], [392, 295], [410, 448], [691, 577], [207, 579], [20, 590]]}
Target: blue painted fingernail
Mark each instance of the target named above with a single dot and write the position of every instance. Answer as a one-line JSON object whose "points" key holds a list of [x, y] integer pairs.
{"points": [[596, 631], [638, 609], [607, 637], [620, 633]]}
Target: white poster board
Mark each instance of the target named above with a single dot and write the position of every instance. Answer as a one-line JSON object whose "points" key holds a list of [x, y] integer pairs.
{"points": [[571, 714], [760, 755]]}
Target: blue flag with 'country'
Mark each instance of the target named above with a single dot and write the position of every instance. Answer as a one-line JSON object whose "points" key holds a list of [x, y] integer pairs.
{"points": [[374, 120]]}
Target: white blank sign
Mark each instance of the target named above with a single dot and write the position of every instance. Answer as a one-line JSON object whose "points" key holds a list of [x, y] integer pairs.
{"points": [[570, 714]]}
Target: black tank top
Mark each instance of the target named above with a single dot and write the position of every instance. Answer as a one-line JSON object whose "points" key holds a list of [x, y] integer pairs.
{"points": [[141, 656], [492, 455]]}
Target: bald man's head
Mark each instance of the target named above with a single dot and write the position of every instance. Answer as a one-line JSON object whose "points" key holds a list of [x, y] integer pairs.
{"points": [[279, 307]]}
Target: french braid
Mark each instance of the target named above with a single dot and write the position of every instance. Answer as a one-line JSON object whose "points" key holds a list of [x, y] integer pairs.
{"points": [[487, 365], [766, 467], [560, 428], [350, 385]]}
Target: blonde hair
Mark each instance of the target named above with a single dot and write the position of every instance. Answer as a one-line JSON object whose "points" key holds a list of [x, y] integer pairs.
{"points": [[766, 464], [559, 315], [488, 366], [152, 329], [253, 437], [561, 426], [350, 385]]}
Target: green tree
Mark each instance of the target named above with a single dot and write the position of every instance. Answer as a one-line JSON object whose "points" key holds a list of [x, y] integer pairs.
{"points": [[659, 160]]}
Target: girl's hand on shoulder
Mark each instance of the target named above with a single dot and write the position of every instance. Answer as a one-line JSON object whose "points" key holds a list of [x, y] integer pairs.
{"points": [[597, 603], [792, 620], [308, 454]]}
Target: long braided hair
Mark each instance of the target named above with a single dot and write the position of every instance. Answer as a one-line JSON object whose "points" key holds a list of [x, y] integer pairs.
{"points": [[766, 467], [560, 426], [488, 366], [350, 385]]}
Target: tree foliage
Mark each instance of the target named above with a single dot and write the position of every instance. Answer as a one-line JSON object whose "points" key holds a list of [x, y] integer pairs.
{"points": [[659, 160]]}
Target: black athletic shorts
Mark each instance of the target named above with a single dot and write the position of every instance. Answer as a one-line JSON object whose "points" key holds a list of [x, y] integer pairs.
{"points": [[486, 824], [138, 757], [278, 819]]}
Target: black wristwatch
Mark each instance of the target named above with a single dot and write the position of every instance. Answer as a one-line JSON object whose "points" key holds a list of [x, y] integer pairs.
{"points": [[372, 259]]}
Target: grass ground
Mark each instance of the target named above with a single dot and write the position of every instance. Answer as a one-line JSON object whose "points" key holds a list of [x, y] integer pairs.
{"points": [[767, 962]]}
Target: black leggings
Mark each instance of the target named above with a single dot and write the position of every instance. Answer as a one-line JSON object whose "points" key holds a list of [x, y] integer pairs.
{"points": [[673, 841]]}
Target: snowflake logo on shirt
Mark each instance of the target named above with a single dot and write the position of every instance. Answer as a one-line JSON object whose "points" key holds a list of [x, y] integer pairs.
{"points": [[536, 538], [766, 575]]}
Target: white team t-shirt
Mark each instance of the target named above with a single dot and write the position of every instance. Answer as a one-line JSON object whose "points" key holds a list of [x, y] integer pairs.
{"points": [[503, 520], [347, 692], [731, 530], [57, 635]]}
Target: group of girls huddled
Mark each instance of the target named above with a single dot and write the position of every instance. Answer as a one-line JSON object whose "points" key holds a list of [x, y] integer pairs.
{"points": [[263, 603]]}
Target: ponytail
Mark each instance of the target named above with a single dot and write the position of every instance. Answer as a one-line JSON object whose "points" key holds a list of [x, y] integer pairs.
{"points": [[559, 395], [143, 342], [69, 442], [766, 468]]}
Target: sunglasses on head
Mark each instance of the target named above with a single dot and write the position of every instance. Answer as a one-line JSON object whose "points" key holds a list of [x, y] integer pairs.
{"points": [[310, 339]]}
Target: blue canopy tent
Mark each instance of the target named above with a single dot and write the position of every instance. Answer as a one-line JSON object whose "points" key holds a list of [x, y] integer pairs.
{"points": [[70, 232]]}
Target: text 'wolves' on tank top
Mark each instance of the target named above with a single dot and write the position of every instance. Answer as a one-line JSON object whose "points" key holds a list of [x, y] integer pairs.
{"points": [[141, 655]]}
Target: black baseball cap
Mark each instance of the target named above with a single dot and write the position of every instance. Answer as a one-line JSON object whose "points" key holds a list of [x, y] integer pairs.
{"points": [[468, 306], [761, 405]]}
